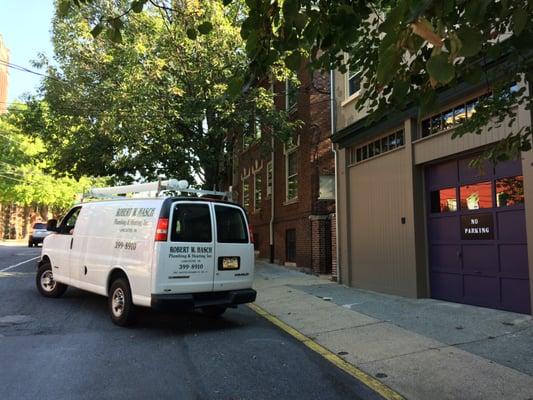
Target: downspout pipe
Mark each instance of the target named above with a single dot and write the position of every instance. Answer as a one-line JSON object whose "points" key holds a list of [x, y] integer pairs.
{"points": [[272, 191], [333, 130]]}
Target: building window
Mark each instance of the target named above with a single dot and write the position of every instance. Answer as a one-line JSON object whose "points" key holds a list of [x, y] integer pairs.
{"points": [[245, 194], [290, 245], [269, 178], [510, 191], [251, 132], [353, 83], [291, 172], [257, 191], [291, 96], [476, 196], [443, 200], [450, 118], [378, 146], [326, 187]]}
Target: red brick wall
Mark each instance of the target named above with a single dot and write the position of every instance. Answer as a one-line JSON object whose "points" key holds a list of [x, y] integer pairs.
{"points": [[315, 158], [333, 230]]}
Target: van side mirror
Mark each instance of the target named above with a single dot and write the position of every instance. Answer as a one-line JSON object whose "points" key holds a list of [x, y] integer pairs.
{"points": [[51, 225]]}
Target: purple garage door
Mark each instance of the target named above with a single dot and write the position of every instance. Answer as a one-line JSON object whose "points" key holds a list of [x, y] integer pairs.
{"points": [[477, 235]]}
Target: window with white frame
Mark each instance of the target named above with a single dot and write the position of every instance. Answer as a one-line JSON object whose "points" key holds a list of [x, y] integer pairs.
{"points": [[291, 173], [353, 82], [245, 193], [251, 132], [270, 177], [291, 95], [257, 190]]}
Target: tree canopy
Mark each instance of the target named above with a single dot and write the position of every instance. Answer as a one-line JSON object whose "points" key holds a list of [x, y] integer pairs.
{"points": [[27, 177], [153, 101], [406, 51]]}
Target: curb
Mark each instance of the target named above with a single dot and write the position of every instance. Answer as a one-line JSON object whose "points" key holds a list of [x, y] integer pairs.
{"points": [[368, 380]]}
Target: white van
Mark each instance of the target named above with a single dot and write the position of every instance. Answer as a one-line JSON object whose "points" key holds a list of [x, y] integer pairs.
{"points": [[185, 253]]}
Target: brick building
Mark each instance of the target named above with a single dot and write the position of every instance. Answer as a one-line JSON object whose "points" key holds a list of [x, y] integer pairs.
{"points": [[4, 75], [288, 189]]}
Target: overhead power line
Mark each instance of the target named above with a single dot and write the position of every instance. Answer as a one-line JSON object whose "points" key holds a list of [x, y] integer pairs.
{"points": [[29, 71]]}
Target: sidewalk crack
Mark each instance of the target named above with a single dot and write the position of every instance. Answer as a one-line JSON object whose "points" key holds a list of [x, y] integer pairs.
{"points": [[349, 327]]}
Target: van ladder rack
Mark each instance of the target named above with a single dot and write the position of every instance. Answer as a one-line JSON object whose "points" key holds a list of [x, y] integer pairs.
{"points": [[160, 187]]}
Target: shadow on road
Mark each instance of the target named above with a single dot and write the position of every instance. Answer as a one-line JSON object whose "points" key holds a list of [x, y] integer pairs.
{"points": [[80, 311]]}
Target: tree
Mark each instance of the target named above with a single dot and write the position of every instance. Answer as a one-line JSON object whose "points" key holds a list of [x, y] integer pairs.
{"points": [[406, 51], [26, 175], [153, 101]]}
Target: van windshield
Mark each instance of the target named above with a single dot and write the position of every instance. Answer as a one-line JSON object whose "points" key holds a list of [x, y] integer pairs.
{"points": [[39, 225], [231, 225]]}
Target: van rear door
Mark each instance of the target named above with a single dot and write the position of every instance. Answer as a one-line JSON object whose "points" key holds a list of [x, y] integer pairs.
{"points": [[185, 261], [234, 264]]}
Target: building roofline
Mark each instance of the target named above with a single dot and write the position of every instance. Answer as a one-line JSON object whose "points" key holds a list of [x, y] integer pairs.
{"points": [[366, 128]]}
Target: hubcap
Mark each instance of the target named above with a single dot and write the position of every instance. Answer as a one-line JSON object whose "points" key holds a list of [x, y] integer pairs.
{"points": [[47, 281], [117, 302]]}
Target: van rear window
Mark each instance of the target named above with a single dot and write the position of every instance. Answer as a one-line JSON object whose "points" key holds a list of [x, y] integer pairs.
{"points": [[191, 223], [39, 225], [231, 225]]}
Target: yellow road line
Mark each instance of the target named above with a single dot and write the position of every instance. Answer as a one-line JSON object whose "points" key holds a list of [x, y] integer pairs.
{"points": [[358, 374]]}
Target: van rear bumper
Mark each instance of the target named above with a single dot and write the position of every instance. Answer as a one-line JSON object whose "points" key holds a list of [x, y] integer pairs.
{"points": [[190, 301]]}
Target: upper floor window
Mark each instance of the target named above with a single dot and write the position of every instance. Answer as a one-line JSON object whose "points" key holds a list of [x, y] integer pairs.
{"points": [[353, 83], [291, 172], [245, 194], [269, 178], [257, 190], [251, 132], [449, 118], [378, 146], [291, 95]]}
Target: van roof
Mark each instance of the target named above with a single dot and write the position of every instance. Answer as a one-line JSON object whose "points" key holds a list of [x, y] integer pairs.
{"points": [[169, 199]]}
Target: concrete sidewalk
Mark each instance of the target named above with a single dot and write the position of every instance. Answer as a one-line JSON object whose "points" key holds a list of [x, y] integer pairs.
{"points": [[421, 348]]}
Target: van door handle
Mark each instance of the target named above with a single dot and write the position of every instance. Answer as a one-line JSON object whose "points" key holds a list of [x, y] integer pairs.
{"points": [[71, 241]]}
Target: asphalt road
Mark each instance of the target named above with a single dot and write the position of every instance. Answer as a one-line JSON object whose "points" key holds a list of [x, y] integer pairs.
{"points": [[68, 348]]}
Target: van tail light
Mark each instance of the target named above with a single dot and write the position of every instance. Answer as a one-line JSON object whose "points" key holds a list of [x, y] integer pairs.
{"points": [[251, 234], [161, 232]]}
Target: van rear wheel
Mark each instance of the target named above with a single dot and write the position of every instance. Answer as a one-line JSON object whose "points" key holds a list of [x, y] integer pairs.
{"points": [[120, 305], [46, 284], [213, 311]]}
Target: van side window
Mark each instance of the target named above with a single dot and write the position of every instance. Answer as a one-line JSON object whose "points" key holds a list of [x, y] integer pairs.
{"points": [[69, 222], [231, 225], [191, 223]]}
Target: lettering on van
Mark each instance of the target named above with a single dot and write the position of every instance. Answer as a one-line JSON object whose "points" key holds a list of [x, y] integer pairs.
{"points": [[190, 259], [139, 212], [131, 218], [119, 244]]}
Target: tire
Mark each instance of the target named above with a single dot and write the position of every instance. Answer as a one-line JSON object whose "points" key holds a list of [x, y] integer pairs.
{"points": [[121, 308], [46, 285], [30, 243], [214, 311]]}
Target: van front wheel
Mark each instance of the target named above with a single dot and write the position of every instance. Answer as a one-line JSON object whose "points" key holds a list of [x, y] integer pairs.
{"points": [[46, 284], [120, 304]]}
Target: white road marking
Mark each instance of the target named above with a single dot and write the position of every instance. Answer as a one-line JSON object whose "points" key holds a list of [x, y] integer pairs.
{"points": [[20, 263]]}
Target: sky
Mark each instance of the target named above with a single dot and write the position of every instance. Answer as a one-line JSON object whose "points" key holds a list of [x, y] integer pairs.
{"points": [[25, 26]]}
